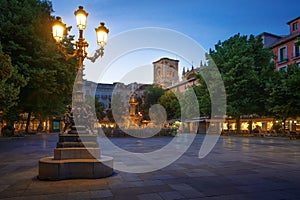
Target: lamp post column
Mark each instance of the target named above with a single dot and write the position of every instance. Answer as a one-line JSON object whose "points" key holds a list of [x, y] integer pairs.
{"points": [[81, 46], [77, 153], [78, 113]]}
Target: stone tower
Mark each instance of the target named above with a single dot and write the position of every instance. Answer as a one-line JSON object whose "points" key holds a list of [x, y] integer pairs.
{"points": [[165, 72]]}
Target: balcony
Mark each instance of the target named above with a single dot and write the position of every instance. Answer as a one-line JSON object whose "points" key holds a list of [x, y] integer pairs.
{"points": [[282, 60], [296, 55]]}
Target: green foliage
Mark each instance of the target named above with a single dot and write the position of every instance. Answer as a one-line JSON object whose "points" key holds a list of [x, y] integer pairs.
{"points": [[99, 109], [252, 85], [25, 33], [188, 104], [170, 102], [278, 128], [245, 69], [151, 96], [11, 83], [118, 108], [94, 103], [210, 88], [203, 94], [284, 90], [244, 65]]}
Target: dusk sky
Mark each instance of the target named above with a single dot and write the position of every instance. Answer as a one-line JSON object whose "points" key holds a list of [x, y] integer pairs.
{"points": [[205, 21]]}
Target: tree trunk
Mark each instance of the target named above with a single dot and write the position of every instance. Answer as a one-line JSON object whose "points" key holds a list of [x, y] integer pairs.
{"points": [[28, 122], [10, 123], [228, 126], [250, 126], [238, 124]]}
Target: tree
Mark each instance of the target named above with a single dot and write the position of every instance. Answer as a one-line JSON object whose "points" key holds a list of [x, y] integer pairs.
{"points": [[118, 108], [11, 83], [210, 88], [100, 113], [99, 107], [244, 65], [150, 97], [25, 32], [170, 102], [203, 98], [284, 90]]}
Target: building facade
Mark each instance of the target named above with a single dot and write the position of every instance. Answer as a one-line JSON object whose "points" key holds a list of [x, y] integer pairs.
{"points": [[165, 72], [188, 80], [105, 91], [285, 48]]}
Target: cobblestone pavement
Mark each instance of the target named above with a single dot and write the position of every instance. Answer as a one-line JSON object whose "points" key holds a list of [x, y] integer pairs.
{"points": [[237, 168]]}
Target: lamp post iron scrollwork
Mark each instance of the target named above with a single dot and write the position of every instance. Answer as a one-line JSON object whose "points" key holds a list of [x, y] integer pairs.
{"points": [[60, 31], [77, 155]]}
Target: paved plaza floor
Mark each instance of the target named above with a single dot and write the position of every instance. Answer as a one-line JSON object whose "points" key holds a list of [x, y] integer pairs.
{"points": [[236, 168]]}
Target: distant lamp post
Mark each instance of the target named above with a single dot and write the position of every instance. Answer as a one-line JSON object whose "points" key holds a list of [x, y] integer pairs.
{"points": [[60, 31]]}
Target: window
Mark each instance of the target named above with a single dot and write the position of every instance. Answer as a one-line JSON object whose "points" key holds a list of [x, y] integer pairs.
{"points": [[296, 51], [282, 54], [174, 74], [298, 64], [295, 26]]}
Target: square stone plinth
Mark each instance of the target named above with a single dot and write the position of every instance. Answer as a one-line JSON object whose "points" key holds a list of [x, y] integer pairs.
{"points": [[50, 169], [76, 153]]}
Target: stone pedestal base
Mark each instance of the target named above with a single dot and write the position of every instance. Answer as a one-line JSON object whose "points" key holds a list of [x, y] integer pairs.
{"points": [[75, 157], [76, 153], [50, 169]]}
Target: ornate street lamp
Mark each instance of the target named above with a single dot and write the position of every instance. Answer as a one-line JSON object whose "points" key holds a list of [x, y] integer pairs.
{"points": [[60, 31], [77, 153], [81, 16]]}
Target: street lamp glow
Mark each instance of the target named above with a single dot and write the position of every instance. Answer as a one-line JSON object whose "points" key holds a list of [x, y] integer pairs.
{"points": [[77, 116], [81, 16], [58, 29], [101, 33]]}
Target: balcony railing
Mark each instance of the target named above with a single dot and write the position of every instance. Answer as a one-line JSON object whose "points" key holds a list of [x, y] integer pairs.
{"points": [[282, 60], [296, 55]]}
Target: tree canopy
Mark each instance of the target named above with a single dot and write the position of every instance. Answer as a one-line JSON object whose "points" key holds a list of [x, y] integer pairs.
{"points": [[150, 97], [45, 77], [284, 90], [245, 68], [11, 82], [171, 104]]}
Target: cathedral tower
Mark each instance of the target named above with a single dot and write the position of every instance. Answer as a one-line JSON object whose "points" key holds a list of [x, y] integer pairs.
{"points": [[165, 72]]}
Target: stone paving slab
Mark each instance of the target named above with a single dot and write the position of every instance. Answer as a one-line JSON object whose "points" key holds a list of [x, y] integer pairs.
{"points": [[237, 168]]}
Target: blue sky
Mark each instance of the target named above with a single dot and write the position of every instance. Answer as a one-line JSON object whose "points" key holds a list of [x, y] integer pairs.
{"points": [[205, 21]]}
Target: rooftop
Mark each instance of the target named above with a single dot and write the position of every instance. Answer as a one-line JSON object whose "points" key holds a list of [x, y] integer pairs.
{"points": [[293, 20], [285, 39]]}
